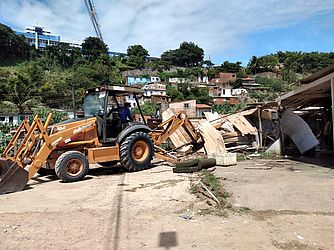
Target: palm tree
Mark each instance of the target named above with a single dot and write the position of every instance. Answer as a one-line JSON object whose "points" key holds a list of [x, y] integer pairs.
{"points": [[253, 65]]}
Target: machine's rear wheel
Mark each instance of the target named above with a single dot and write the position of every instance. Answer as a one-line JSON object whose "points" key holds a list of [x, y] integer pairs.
{"points": [[71, 166], [136, 151]]}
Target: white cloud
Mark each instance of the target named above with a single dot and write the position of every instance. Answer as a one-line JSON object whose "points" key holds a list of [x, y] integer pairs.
{"points": [[218, 26]]}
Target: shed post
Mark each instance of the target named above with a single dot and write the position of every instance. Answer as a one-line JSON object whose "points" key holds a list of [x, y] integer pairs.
{"points": [[259, 112], [332, 97]]}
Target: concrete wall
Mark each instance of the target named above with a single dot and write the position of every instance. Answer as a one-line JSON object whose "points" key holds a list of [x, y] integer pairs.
{"points": [[187, 106]]}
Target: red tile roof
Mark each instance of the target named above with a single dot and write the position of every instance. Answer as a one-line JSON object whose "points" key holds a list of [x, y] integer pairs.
{"points": [[203, 106]]}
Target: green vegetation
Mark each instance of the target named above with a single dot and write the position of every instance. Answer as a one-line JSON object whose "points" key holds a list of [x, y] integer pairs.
{"points": [[186, 91], [137, 56], [227, 108], [147, 109], [13, 48], [217, 189], [30, 78], [5, 137], [187, 55], [292, 65]]}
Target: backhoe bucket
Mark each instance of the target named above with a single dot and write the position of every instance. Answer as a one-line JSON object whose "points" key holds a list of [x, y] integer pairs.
{"points": [[13, 178]]}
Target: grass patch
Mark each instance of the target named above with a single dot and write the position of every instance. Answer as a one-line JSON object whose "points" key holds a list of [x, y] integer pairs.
{"points": [[242, 210], [216, 188], [241, 157], [266, 155]]}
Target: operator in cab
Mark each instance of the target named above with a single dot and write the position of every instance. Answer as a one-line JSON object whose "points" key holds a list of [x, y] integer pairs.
{"points": [[125, 113]]}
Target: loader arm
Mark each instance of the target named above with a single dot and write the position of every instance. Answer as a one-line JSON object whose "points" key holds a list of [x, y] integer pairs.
{"points": [[35, 149]]}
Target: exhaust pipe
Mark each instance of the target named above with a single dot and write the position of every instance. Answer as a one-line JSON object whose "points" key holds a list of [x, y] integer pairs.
{"points": [[13, 178]]}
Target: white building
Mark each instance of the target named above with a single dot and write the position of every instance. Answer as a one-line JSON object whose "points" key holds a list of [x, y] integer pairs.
{"points": [[237, 92], [203, 79], [12, 118], [155, 89], [155, 79], [176, 80], [131, 99]]}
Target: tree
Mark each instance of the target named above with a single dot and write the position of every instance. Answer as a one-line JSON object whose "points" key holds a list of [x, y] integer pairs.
{"points": [[137, 50], [93, 48], [61, 54], [23, 93], [253, 65], [201, 95], [13, 47], [174, 93], [187, 55], [137, 55], [230, 67], [147, 108]]}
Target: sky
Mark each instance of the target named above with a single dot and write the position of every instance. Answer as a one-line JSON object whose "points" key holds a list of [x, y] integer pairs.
{"points": [[232, 30]]}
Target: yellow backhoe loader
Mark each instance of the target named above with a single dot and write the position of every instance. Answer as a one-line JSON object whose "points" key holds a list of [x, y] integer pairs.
{"points": [[98, 137]]}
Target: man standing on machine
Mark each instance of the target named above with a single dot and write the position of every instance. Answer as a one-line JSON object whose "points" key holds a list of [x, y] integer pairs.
{"points": [[125, 113]]}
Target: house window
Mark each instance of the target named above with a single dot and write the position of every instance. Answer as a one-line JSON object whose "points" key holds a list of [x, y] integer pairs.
{"points": [[11, 118], [223, 91], [2, 119], [186, 105]]}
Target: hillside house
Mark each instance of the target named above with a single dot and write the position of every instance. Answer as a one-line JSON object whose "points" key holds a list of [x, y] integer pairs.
{"points": [[223, 77], [203, 79], [13, 118], [249, 82], [154, 89], [201, 108], [269, 74], [137, 80], [190, 107], [130, 99], [175, 80]]}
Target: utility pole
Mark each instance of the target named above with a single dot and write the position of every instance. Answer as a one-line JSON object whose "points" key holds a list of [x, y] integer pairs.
{"points": [[73, 101]]}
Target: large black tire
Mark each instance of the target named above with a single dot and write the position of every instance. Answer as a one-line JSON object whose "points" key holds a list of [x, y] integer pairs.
{"points": [[136, 151], [71, 166]]}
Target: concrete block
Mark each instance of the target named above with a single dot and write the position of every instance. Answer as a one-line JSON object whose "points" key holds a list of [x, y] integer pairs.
{"points": [[224, 159]]}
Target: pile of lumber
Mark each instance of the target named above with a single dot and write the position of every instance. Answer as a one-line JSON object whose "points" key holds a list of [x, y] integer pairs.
{"points": [[219, 133]]}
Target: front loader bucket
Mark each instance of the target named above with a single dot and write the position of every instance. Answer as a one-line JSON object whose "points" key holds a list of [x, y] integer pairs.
{"points": [[13, 178]]}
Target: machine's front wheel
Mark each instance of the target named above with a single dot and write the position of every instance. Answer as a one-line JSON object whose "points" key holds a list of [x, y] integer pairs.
{"points": [[71, 166], [136, 151]]}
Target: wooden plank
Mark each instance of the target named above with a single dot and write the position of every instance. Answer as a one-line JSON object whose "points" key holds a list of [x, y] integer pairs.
{"points": [[180, 137], [241, 123], [213, 140]]}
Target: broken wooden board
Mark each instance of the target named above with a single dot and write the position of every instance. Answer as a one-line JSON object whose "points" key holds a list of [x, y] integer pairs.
{"points": [[213, 140], [215, 119], [241, 123], [180, 137]]}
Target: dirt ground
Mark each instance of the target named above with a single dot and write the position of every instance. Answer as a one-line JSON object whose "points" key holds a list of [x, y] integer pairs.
{"points": [[288, 206]]}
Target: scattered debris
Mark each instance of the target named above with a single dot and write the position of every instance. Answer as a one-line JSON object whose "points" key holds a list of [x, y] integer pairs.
{"points": [[186, 216], [258, 168], [213, 196]]}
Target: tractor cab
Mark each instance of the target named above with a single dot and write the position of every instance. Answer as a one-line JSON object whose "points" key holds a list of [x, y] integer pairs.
{"points": [[105, 103]]}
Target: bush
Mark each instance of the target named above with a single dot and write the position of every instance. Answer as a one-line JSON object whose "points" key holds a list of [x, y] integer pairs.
{"points": [[227, 108], [43, 112]]}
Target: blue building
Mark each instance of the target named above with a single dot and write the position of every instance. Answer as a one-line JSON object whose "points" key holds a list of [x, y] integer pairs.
{"points": [[39, 37], [134, 80]]}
